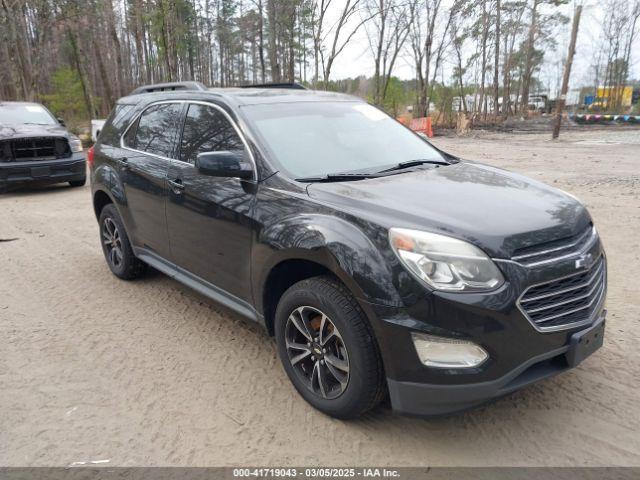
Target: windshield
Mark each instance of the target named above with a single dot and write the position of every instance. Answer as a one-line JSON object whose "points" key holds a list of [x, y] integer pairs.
{"points": [[315, 139], [21, 113]]}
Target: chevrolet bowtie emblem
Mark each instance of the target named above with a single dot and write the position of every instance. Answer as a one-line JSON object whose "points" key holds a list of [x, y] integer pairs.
{"points": [[584, 261]]}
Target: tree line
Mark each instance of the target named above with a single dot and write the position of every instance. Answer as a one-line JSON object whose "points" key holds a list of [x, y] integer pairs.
{"points": [[79, 56]]}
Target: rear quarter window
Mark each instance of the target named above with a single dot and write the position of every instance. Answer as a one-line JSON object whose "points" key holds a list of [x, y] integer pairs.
{"points": [[116, 124]]}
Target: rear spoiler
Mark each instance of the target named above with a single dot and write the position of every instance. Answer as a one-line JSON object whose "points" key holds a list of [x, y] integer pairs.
{"points": [[169, 87]]}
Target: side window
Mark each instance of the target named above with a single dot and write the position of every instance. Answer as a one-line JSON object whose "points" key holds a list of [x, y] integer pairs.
{"points": [[206, 129], [115, 124], [156, 129], [129, 139]]}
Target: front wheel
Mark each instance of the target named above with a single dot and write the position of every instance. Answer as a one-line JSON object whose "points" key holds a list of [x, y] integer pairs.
{"points": [[328, 349]]}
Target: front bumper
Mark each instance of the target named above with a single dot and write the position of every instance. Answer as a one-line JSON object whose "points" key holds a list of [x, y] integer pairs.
{"points": [[46, 171], [519, 354], [428, 399]]}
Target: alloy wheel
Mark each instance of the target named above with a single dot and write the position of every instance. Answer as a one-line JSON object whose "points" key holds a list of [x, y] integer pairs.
{"points": [[112, 242], [317, 352]]}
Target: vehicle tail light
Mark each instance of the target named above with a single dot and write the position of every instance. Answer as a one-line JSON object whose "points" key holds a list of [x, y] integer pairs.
{"points": [[90, 157]]}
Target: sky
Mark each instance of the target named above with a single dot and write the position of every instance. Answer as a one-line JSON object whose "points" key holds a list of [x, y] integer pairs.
{"points": [[357, 59]]}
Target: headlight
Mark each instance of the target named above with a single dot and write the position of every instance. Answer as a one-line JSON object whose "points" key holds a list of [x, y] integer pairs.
{"points": [[445, 263], [76, 144], [441, 352]]}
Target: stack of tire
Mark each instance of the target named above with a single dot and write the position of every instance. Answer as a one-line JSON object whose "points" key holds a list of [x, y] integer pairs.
{"points": [[584, 118]]}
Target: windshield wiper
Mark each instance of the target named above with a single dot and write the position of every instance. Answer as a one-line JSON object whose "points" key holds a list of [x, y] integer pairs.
{"points": [[348, 176], [414, 163], [339, 177]]}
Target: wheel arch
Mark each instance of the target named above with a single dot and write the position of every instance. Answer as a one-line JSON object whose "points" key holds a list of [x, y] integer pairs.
{"points": [[281, 277], [100, 200], [305, 246]]}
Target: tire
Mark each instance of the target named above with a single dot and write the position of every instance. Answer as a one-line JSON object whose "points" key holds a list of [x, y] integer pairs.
{"points": [[344, 394], [116, 246], [78, 183]]}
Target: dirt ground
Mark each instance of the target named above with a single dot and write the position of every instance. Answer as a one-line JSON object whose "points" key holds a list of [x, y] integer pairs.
{"points": [[94, 369]]}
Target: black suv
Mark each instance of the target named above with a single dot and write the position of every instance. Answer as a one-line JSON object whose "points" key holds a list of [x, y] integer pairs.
{"points": [[382, 265], [36, 147]]}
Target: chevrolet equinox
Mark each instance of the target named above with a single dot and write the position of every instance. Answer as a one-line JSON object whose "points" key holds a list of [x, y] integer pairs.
{"points": [[383, 266]]}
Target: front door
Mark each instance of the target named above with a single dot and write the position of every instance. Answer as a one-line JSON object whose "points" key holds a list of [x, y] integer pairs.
{"points": [[149, 145], [209, 217]]}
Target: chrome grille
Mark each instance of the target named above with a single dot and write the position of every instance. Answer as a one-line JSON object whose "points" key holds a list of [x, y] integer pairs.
{"points": [[558, 250], [566, 301], [34, 148]]}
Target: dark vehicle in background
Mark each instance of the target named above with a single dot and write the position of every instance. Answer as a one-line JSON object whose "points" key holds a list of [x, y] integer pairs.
{"points": [[382, 265], [36, 147]]}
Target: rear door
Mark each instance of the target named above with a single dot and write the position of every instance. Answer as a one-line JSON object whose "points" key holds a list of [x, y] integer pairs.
{"points": [[209, 217], [149, 144]]}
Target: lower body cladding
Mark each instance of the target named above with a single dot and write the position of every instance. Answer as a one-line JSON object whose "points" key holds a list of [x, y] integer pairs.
{"points": [[43, 171], [490, 330]]}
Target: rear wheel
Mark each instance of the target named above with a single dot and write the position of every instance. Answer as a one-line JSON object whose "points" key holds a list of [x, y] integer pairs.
{"points": [[116, 246], [328, 349]]}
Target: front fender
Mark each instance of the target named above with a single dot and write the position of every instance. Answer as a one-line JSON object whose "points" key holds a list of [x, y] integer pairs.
{"points": [[338, 245]]}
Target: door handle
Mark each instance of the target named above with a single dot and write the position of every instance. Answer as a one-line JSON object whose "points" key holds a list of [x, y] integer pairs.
{"points": [[177, 186]]}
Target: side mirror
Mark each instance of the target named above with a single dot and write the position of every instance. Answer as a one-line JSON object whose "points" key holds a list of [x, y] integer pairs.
{"points": [[61, 122], [225, 164]]}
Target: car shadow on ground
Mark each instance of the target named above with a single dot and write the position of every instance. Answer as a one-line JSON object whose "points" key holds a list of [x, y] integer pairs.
{"points": [[36, 189], [487, 412]]}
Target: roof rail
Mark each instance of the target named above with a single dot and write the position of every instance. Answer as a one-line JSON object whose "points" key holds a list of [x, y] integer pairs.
{"points": [[168, 87], [283, 85]]}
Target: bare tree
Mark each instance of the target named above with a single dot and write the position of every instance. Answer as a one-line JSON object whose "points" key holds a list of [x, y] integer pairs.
{"points": [[337, 36], [540, 27], [274, 61], [17, 38], [458, 39], [483, 63], [319, 11], [615, 48], [84, 54], [390, 25], [567, 71], [428, 44], [512, 26], [422, 34], [496, 63], [528, 70]]}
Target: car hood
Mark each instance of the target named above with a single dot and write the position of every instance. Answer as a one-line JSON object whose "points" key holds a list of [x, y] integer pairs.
{"points": [[21, 130], [497, 210]]}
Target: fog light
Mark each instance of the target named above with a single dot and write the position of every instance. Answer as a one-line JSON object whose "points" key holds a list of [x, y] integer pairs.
{"points": [[441, 352]]}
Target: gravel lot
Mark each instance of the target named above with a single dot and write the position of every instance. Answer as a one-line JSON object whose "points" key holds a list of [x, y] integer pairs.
{"points": [[151, 373]]}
